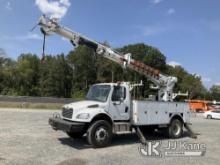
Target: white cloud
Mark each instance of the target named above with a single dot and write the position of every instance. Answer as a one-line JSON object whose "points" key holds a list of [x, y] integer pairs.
{"points": [[8, 5], [2, 53], [171, 11], [54, 8], [64, 39], [150, 30], [196, 75], [28, 36], [32, 36], [174, 63], [207, 82], [155, 2], [206, 79], [217, 84]]}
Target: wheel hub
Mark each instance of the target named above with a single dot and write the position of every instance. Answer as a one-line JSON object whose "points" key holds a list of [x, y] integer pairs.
{"points": [[101, 134]]}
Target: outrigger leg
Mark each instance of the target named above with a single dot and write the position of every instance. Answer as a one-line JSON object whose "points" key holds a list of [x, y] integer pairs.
{"points": [[191, 132], [140, 135]]}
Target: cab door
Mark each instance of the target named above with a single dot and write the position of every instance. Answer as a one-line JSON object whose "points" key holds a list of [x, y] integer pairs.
{"points": [[119, 104]]}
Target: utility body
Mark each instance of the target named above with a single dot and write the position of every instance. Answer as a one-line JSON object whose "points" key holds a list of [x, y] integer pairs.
{"points": [[109, 107]]}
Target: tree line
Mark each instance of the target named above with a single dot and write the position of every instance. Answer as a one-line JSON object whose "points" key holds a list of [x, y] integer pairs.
{"points": [[71, 75]]}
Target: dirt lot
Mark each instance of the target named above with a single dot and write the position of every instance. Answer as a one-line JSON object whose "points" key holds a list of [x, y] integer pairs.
{"points": [[26, 138]]}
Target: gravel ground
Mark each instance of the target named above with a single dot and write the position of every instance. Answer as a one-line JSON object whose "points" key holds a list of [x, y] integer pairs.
{"points": [[26, 138]]}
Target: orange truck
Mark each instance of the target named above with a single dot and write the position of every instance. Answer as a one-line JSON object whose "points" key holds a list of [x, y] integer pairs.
{"points": [[203, 105]]}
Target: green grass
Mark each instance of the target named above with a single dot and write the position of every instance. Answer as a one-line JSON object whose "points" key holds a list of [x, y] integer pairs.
{"points": [[30, 105]]}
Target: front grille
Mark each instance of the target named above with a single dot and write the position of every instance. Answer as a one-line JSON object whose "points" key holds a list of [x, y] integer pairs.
{"points": [[67, 113]]}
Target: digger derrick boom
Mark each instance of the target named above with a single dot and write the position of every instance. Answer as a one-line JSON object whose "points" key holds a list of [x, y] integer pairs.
{"points": [[165, 84]]}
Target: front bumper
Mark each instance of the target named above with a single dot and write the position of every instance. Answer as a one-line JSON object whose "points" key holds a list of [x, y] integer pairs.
{"points": [[66, 126]]}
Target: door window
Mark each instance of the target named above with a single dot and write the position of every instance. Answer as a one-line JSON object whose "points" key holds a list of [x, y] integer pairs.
{"points": [[119, 93]]}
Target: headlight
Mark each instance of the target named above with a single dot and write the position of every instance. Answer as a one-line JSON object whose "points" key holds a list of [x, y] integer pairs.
{"points": [[83, 116]]}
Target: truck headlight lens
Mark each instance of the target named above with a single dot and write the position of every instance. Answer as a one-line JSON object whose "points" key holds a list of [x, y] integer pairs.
{"points": [[83, 116]]}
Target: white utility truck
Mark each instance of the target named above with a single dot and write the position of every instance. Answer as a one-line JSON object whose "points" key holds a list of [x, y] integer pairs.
{"points": [[109, 108]]}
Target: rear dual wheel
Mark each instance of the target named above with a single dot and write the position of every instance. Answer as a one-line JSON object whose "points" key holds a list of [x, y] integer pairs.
{"points": [[175, 129]]}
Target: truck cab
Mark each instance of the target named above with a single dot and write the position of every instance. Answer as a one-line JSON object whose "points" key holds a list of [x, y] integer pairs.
{"points": [[109, 99], [104, 104]]}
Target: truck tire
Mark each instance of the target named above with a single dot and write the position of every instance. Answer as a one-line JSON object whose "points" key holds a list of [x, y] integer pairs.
{"points": [[175, 129], [99, 134], [75, 135]]}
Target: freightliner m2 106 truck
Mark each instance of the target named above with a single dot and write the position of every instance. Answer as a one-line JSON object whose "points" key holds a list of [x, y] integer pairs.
{"points": [[109, 108]]}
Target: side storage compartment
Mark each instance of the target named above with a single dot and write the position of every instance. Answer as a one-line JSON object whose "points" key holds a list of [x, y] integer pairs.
{"points": [[156, 112]]}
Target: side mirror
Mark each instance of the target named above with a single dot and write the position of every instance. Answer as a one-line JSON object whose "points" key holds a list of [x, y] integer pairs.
{"points": [[116, 102], [121, 99]]}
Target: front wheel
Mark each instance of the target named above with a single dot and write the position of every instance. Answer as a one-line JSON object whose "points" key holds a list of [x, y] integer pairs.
{"points": [[175, 129], [99, 133]]}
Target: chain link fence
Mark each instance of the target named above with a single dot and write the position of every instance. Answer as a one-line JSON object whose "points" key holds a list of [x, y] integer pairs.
{"points": [[28, 99]]}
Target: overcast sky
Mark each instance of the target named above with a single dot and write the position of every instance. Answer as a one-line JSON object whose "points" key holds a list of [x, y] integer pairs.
{"points": [[186, 31]]}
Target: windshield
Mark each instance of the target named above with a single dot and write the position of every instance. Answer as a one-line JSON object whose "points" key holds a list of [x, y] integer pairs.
{"points": [[98, 93]]}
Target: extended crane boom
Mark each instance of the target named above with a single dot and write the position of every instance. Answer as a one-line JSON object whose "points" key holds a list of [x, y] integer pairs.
{"points": [[164, 84]]}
